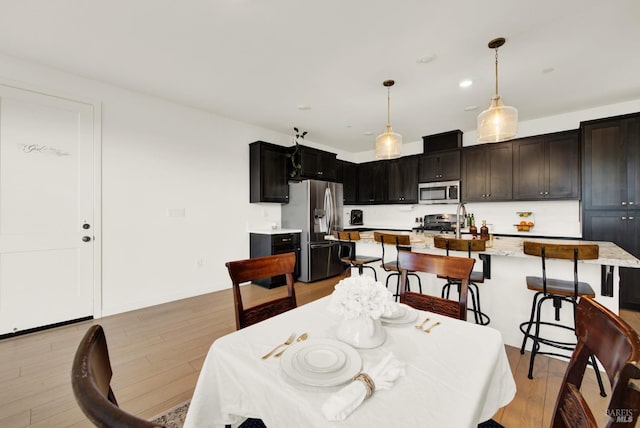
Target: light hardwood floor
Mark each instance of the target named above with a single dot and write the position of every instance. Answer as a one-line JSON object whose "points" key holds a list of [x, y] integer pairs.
{"points": [[157, 353]]}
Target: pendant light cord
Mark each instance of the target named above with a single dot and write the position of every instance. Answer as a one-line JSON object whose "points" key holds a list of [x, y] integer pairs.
{"points": [[388, 105], [497, 72]]}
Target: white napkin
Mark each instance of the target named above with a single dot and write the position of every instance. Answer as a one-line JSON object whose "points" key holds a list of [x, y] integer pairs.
{"points": [[342, 403]]}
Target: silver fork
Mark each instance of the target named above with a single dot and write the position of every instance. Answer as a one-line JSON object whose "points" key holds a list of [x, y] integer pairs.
{"points": [[289, 341]]}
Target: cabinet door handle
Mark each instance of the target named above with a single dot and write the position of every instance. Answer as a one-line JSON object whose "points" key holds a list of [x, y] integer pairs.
{"points": [[542, 193], [631, 203], [624, 218], [320, 173], [623, 203], [631, 218]]}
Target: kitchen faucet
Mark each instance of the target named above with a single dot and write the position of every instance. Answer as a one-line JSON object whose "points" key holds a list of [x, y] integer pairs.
{"points": [[464, 213]]}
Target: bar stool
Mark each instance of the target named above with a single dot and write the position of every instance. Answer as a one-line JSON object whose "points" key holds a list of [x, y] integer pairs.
{"points": [[477, 277], [557, 291], [348, 254], [402, 243]]}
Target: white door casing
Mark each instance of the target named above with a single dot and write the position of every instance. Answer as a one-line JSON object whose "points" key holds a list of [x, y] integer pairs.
{"points": [[48, 173]]}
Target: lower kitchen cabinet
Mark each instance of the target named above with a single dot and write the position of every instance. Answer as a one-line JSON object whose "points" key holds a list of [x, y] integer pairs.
{"points": [[263, 244], [623, 228]]}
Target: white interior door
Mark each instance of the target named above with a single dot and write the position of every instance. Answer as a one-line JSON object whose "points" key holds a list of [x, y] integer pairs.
{"points": [[46, 210]]}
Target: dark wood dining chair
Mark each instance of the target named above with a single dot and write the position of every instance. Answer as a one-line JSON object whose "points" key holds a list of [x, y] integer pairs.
{"points": [[349, 255], [453, 267], [616, 345], [91, 383], [242, 271]]}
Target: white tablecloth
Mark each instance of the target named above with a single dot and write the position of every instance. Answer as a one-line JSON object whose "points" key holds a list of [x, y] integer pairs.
{"points": [[457, 376]]}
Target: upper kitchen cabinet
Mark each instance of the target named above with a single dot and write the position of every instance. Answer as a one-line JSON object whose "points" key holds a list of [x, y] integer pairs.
{"points": [[547, 167], [402, 182], [487, 172], [268, 180], [611, 163], [443, 166], [372, 182], [311, 163], [349, 181]]}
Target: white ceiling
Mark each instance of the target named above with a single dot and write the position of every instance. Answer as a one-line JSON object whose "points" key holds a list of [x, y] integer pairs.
{"points": [[257, 60]]}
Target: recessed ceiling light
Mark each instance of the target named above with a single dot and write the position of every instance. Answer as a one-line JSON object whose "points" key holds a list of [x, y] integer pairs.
{"points": [[368, 133], [465, 83], [426, 59], [548, 70], [304, 107], [470, 108]]}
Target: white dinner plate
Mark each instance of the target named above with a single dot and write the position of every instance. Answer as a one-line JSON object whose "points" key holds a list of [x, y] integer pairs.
{"points": [[321, 362], [408, 315]]}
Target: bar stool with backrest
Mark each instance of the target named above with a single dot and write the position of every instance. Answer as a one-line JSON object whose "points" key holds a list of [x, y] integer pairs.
{"points": [[556, 291], [349, 256], [477, 277], [402, 243]]}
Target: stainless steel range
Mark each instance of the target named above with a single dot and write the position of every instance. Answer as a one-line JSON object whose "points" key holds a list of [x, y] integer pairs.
{"points": [[439, 223]]}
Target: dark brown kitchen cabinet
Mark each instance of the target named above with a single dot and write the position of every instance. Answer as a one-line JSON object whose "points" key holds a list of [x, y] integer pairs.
{"points": [[611, 191], [268, 180], [372, 182], [547, 167], [487, 173], [443, 166], [312, 163], [349, 181], [402, 181], [261, 245]]}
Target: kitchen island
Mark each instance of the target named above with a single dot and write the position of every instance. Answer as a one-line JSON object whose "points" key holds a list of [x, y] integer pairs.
{"points": [[504, 294]]}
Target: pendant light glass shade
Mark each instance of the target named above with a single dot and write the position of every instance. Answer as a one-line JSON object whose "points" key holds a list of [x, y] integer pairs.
{"points": [[498, 122], [389, 143]]}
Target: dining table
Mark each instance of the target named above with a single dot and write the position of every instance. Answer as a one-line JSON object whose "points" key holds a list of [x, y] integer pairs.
{"points": [[456, 375]]}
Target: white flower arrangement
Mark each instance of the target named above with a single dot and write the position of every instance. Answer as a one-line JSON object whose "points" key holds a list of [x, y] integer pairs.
{"points": [[360, 295]]}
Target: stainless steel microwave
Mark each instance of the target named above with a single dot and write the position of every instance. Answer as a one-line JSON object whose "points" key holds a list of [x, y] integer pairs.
{"points": [[441, 192]]}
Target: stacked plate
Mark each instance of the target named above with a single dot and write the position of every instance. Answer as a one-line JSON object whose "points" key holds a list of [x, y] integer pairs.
{"points": [[401, 314], [321, 362]]}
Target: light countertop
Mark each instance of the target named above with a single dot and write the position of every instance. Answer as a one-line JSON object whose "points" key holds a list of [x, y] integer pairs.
{"points": [[610, 253], [275, 231]]}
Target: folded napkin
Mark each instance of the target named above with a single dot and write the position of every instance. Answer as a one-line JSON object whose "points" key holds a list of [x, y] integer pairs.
{"points": [[342, 403]]}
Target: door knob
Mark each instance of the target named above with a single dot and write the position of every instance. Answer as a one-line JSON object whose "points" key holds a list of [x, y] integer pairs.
{"points": [[86, 226], [86, 238]]}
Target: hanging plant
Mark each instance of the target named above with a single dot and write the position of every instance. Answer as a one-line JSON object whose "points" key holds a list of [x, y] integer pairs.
{"points": [[296, 165]]}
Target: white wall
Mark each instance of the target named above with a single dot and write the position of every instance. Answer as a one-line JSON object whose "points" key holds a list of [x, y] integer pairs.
{"points": [[158, 156]]}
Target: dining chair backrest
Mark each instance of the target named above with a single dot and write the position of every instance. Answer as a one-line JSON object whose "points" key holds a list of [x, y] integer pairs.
{"points": [[453, 267], [242, 271], [396, 239], [617, 346], [91, 383]]}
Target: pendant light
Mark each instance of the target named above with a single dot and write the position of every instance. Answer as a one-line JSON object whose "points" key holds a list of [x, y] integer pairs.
{"points": [[389, 143], [498, 122]]}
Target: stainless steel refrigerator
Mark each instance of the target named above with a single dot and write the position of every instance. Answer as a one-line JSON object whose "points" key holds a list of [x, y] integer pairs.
{"points": [[316, 208]]}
